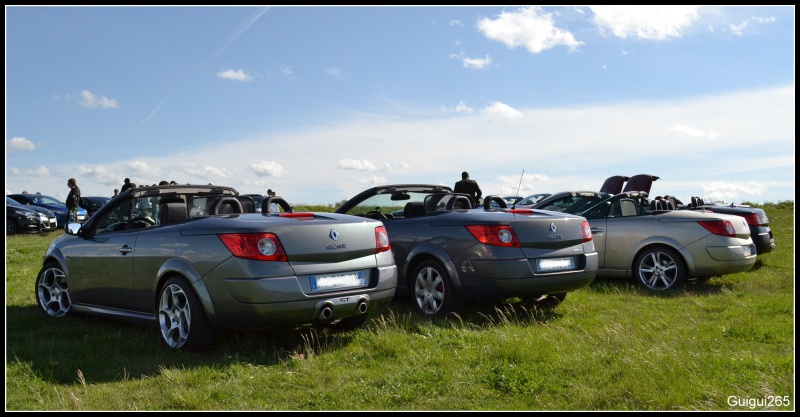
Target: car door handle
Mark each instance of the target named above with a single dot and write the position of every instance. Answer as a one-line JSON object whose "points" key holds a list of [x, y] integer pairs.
{"points": [[125, 250], [596, 230]]}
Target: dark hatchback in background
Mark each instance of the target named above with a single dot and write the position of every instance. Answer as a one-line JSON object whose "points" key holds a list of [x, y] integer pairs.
{"points": [[21, 220], [56, 206], [93, 203], [48, 219]]}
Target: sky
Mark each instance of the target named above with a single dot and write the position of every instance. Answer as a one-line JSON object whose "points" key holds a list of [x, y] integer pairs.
{"points": [[320, 103]]}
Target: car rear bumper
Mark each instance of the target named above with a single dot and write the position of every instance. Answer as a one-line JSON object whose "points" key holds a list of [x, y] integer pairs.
{"points": [[518, 278], [763, 240], [268, 302]]}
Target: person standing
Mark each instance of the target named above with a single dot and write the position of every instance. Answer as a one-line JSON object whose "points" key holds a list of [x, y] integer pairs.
{"points": [[73, 199], [126, 185], [468, 186], [272, 208]]}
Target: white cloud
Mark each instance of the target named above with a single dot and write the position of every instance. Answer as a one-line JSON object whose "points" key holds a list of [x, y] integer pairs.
{"points": [[529, 27], [502, 110], [727, 191], [20, 144], [286, 70], [737, 29], [40, 171], [362, 165], [92, 101], [335, 72], [478, 63], [206, 172], [456, 23], [645, 22], [372, 181], [461, 107], [270, 169], [236, 75], [758, 19], [694, 133]]}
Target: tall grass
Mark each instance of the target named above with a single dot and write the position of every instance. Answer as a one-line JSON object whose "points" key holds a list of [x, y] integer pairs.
{"points": [[725, 344]]}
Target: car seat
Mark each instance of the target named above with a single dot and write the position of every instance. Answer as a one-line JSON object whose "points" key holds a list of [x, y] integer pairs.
{"points": [[414, 209]]}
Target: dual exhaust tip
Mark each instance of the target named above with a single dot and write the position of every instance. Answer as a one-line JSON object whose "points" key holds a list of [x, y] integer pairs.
{"points": [[326, 312]]}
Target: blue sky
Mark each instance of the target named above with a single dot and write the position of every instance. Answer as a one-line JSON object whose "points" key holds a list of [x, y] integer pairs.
{"points": [[320, 103]]}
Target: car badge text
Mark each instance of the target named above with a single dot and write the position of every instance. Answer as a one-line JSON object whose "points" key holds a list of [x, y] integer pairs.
{"points": [[554, 235], [334, 235]]}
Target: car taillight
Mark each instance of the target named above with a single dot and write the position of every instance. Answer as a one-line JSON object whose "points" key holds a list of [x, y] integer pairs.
{"points": [[754, 219], [299, 215], [587, 232], [719, 227], [520, 211], [257, 246], [381, 240], [502, 235]]}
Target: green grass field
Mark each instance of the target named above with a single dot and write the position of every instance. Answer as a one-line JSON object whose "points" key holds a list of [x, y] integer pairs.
{"points": [[723, 345]]}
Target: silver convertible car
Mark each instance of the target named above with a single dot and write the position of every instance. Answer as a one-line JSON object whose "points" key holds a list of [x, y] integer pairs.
{"points": [[447, 251], [193, 259], [659, 248]]}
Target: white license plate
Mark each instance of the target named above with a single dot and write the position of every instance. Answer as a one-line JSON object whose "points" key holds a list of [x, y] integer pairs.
{"points": [[337, 281], [555, 264]]}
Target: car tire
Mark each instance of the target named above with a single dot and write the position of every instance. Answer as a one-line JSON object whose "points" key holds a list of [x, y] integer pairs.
{"points": [[52, 291], [11, 227], [181, 318], [433, 290], [660, 268]]}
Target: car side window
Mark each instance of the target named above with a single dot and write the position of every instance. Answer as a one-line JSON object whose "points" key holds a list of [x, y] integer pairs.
{"points": [[114, 220]]}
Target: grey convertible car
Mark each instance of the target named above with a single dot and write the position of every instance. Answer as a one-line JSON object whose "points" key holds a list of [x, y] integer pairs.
{"points": [[447, 251], [193, 259], [756, 218], [659, 247]]}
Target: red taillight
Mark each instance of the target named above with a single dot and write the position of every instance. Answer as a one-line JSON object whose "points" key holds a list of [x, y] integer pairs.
{"points": [[520, 211], [719, 227], [754, 219], [502, 235], [587, 232], [258, 246], [299, 215], [381, 240]]}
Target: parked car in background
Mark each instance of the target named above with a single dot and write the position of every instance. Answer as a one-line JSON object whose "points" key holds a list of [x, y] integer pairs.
{"points": [[258, 199], [21, 220], [530, 200], [661, 249], [50, 203], [48, 218], [756, 218], [93, 203], [448, 252], [203, 260]]}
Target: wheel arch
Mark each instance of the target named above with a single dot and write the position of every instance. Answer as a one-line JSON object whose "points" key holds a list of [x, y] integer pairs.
{"points": [[176, 267], [425, 252], [650, 243]]}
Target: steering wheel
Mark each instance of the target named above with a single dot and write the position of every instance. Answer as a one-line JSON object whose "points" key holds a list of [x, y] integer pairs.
{"points": [[374, 214], [141, 222]]}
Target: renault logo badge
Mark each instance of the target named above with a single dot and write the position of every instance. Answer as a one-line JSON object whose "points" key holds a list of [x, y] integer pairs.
{"points": [[334, 235]]}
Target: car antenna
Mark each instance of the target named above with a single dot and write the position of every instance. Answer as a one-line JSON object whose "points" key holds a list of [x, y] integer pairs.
{"points": [[518, 185]]}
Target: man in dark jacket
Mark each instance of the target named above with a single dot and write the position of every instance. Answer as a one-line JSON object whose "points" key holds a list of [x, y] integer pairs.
{"points": [[73, 199], [126, 185], [468, 186]]}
